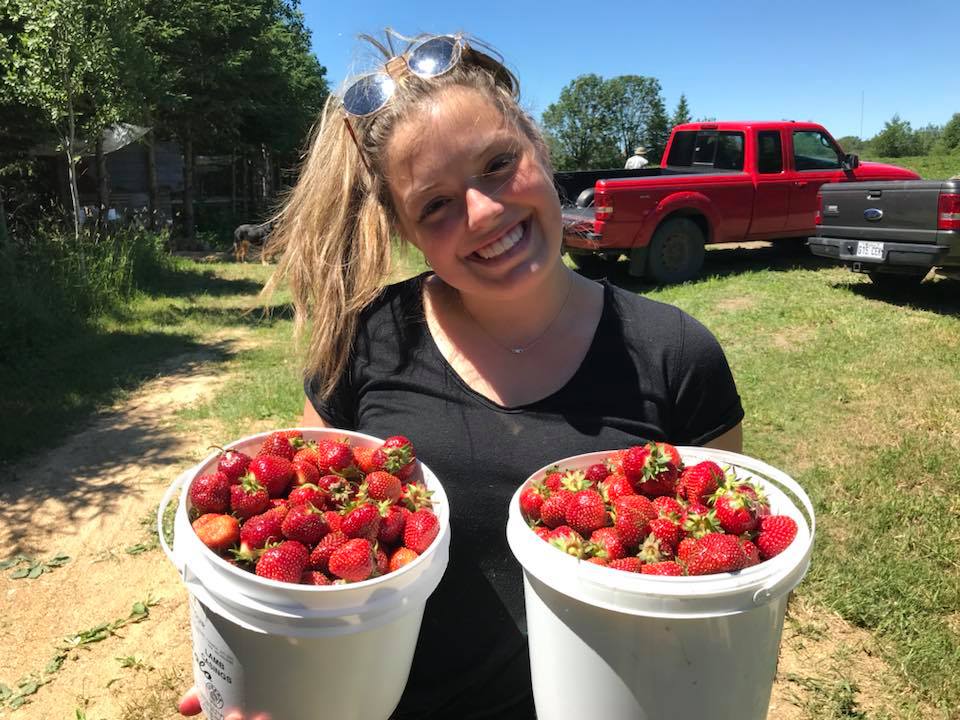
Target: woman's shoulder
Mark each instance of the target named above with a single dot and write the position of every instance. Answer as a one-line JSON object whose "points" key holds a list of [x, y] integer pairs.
{"points": [[645, 320]]}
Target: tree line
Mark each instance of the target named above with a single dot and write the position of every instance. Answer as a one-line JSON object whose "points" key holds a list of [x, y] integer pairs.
{"points": [[230, 77], [899, 139]]}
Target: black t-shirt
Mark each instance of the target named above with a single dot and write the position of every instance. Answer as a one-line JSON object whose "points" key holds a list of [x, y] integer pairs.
{"points": [[652, 372]]}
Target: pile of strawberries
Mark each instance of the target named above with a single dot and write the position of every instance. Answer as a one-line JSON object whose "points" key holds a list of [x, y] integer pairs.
{"points": [[644, 511], [316, 513]]}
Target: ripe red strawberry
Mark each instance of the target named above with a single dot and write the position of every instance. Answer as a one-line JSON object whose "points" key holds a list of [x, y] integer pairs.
{"points": [[421, 529], [586, 512], [339, 490], [305, 473], [627, 564], [233, 464], [553, 512], [400, 557], [614, 486], [634, 463], [660, 472], [737, 511], [363, 459], [320, 555], [553, 480], [381, 561], [362, 521], [751, 552], [542, 532], [671, 453], [605, 543], [392, 525], [416, 496], [210, 493], [273, 472], [382, 485], [334, 520], [308, 453], [314, 577], [305, 524], [597, 472], [284, 562], [277, 443], [614, 462], [396, 456], [531, 500], [568, 541], [668, 507], [662, 541], [308, 493], [776, 534], [664, 567], [353, 561], [218, 532], [632, 516], [684, 548], [260, 529], [333, 456], [248, 498], [698, 520], [700, 481], [716, 553]]}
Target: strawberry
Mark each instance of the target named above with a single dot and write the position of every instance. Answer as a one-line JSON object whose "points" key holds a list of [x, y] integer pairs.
{"points": [[416, 496], [700, 481], [586, 512], [362, 521], [568, 541], [660, 472], [218, 532], [542, 532], [333, 456], [684, 548], [664, 567], [400, 557], [305, 524], [634, 463], [284, 562], [392, 524], [575, 481], [338, 489], [305, 473], [632, 516], [716, 553], [210, 493], [421, 529], [671, 453], [698, 520], [307, 453], [320, 556], [353, 561], [627, 564], [381, 485], [662, 541], [553, 480], [396, 456], [597, 472], [261, 529], [531, 500], [615, 485], [737, 511], [751, 551], [776, 534], [334, 520], [381, 561], [277, 443], [308, 493], [273, 472], [554, 509], [668, 507], [248, 498], [605, 543], [314, 577], [363, 459], [233, 464]]}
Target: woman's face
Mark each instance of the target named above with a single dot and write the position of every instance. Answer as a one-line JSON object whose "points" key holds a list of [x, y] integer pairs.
{"points": [[472, 195]]}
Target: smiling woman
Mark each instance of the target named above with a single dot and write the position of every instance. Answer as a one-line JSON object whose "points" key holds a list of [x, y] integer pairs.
{"points": [[498, 359]]}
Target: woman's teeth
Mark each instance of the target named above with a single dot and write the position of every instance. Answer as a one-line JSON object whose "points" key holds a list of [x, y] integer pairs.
{"points": [[500, 246]]}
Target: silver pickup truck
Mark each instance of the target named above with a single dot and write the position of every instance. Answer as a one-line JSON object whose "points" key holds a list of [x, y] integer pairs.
{"points": [[894, 231]]}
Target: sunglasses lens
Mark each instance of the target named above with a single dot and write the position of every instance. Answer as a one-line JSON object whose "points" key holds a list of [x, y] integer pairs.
{"points": [[434, 56], [368, 94]]}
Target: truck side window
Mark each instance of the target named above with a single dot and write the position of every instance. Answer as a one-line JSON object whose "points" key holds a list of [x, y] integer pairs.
{"points": [[769, 152], [729, 151], [812, 150], [705, 149], [681, 150]]}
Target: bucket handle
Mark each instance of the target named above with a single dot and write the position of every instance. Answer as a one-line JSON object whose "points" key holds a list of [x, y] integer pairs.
{"points": [[162, 510]]}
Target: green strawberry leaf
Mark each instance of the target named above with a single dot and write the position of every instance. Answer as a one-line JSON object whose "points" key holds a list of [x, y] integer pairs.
{"points": [[15, 560], [5, 692], [20, 573], [36, 571]]}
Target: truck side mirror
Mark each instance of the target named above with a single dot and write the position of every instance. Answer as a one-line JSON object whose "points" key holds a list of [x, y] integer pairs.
{"points": [[851, 162]]}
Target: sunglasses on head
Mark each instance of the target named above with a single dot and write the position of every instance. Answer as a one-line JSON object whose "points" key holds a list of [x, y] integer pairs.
{"points": [[428, 58]]}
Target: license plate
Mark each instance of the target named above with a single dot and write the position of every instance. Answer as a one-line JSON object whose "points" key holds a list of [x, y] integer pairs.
{"points": [[870, 250]]}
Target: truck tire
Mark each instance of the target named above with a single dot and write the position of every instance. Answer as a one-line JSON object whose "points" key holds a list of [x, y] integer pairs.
{"points": [[676, 251], [585, 199]]}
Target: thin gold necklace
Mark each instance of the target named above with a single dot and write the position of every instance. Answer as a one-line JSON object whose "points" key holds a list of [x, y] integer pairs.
{"points": [[519, 350]]}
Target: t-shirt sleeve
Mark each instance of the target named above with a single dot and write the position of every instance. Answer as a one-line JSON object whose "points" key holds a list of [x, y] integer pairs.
{"points": [[339, 409], [706, 400]]}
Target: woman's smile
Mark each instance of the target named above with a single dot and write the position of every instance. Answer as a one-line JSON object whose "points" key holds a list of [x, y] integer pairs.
{"points": [[507, 245]]}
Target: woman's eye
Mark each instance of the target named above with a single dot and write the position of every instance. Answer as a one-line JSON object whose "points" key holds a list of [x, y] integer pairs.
{"points": [[501, 163], [431, 207]]}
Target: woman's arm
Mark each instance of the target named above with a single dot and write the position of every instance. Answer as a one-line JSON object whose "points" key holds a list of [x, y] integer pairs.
{"points": [[312, 419], [731, 440]]}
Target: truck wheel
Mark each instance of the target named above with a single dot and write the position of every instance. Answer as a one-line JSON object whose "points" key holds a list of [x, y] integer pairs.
{"points": [[676, 251], [585, 199]]}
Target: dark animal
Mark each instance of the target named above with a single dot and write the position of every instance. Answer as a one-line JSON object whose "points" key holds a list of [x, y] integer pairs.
{"points": [[246, 235]]}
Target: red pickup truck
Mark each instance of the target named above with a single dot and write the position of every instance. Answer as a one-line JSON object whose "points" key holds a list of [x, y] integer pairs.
{"points": [[720, 182]]}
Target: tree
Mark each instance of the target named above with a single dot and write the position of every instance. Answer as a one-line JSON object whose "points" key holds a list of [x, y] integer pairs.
{"points": [[682, 114], [658, 131], [851, 144], [897, 139], [631, 99], [950, 139], [579, 124]]}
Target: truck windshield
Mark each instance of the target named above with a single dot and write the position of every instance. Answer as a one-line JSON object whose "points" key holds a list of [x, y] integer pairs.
{"points": [[707, 148]]}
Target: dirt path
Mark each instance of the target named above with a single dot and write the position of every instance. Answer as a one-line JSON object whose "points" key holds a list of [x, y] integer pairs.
{"points": [[90, 499]]}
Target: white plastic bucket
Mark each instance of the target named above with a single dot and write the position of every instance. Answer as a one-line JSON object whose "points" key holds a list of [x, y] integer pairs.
{"points": [[301, 652], [615, 645]]}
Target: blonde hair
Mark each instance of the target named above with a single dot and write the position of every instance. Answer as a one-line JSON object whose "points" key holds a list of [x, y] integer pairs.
{"points": [[335, 231]]}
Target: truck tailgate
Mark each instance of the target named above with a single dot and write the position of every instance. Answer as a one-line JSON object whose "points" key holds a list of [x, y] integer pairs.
{"points": [[904, 211]]}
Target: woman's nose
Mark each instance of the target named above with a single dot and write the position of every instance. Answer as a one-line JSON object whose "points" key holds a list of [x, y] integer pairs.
{"points": [[483, 210]]}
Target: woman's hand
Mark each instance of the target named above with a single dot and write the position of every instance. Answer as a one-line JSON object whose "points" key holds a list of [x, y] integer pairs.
{"points": [[190, 705]]}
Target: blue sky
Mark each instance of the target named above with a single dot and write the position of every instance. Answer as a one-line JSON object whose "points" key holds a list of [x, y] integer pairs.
{"points": [[733, 60]]}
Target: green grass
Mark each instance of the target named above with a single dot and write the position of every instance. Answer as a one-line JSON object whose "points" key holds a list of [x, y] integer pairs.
{"points": [[929, 167]]}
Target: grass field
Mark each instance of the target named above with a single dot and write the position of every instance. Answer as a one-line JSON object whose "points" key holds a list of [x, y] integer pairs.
{"points": [[929, 167], [851, 392]]}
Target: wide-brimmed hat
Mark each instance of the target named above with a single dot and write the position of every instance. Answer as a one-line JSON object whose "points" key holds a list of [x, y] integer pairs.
{"points": [[639, 150]]}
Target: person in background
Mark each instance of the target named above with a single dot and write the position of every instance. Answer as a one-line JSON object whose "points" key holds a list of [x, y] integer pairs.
{"points": [[637, 160], [495, 361]]}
